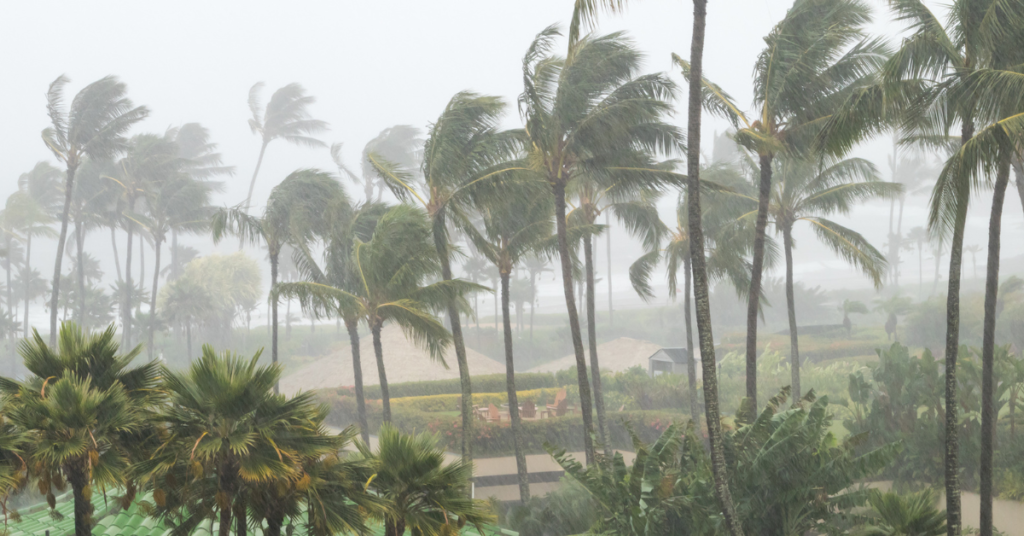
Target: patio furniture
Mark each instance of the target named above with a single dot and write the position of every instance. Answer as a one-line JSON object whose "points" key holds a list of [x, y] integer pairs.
{"points": [[529, 410], [559, 397], [492, 414]]}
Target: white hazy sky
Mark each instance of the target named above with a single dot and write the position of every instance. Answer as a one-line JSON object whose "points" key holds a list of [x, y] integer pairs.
{"points": [[370, 65]]}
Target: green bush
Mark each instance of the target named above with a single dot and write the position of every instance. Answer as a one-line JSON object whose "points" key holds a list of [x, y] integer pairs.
{"points": [[490, 383], [435, 403]]}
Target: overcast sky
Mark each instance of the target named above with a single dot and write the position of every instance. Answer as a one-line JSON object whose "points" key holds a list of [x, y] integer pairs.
{"points": [[370, 65]]}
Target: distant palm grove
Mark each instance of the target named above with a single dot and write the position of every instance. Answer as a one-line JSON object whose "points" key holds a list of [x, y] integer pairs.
{"points": [[151, 391]]}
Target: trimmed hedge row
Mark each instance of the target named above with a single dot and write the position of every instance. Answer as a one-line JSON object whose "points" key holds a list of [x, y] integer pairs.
{"points": [[490, 383], [495, 439], [436, 403]]}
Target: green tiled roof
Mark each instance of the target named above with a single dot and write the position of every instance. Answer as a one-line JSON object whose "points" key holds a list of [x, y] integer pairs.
{"points": [[113, 521]]}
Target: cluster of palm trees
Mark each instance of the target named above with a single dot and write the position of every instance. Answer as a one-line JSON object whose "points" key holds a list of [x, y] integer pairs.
{"points": [[211, 442]]}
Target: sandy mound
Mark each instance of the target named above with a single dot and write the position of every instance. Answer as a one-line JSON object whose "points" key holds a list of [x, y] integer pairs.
{"points": [[615, 356], [403, 361]]}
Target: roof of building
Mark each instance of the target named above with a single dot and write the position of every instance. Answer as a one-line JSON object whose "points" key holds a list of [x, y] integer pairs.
{"points": [[113, 521], [677, 355]]}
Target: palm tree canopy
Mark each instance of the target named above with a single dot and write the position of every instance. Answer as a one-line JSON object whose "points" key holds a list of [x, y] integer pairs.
{"points": [[286, 116], [44, 184], [94, 125]]}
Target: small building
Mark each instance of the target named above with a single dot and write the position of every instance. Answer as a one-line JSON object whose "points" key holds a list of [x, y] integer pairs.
{"points": [[670, 360]]}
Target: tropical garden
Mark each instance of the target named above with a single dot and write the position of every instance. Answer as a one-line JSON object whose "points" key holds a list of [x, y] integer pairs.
{"points": [[872, 411]]}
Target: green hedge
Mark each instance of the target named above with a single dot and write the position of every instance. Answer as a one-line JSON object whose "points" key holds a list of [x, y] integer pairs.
{"points": [[495, 439], [490, 383], [436, 403]]}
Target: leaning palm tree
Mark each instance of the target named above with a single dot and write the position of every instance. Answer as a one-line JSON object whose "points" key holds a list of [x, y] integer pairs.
{"points": [[349, 224], [84, 412], [400, 144], [816, 56], [392, 270], [422, 492], [294, 215], [285, 117], [466, 157], [27, 219], [592, 114], [809, 192], [93, 127], [42, 188], [514, 228]]}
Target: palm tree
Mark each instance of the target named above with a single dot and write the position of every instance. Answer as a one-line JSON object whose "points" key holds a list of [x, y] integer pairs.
{"points": [[697, 95], [919, 236], [909, 168], [894, 307], [28, 218], [391, 268], [848, 308], [535, 266], [350, 224], [727, 235], [285, 117], [809, 191], [974, 249], [422, 493], [400, 144], [230, 431], [513, 228], [294, 215], [816, 56], [84, 412], [592, 114], [93, 127], [465, 157]]}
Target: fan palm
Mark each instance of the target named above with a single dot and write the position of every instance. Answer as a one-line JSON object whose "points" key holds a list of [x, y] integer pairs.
{"points": [[392, 268], [228, 429], [592, 115], [813, 59], [84, 412], [848, 308], [294, 214], [423, 494], [466, 157], [285, 117], [513, 228], [93, 127], [809, 192]]}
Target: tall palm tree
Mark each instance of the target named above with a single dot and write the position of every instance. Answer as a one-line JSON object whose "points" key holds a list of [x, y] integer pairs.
{"points": [[392, 268], [919, 237], [93, 127], [814, 58], [42, 186], [513, 228], [422, 492], [974, 249], [350, 224], [697, 95], [400, 144], [809, 192], [294, 215], [592, 114], [465, 157], [28, 219], [84, 412], [285, 117]]}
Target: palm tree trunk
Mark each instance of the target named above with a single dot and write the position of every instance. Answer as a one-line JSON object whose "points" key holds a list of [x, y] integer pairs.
{"points": [[378, 351], [242, 525], [608, 255], [28, 278], [174, 254], [460, 356], [275, 519], [152, 298], [513, 399], [1018, 179], [920, 269], [533, 302], [126, 311], [273, 313], [754, 297], [117, 257], [899, 240], [988, 413], [79, 480], [142, 269], [700, 275], [69, 185], [80, 243], [595, 370], [252, 183], [794, 343], [574, 320], [691, 364], [952, 461], [7, 267], [357, 372]]}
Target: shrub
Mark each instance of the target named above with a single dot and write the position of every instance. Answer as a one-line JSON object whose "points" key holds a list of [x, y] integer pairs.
{"points": [[436, 403], [490, 383]]}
